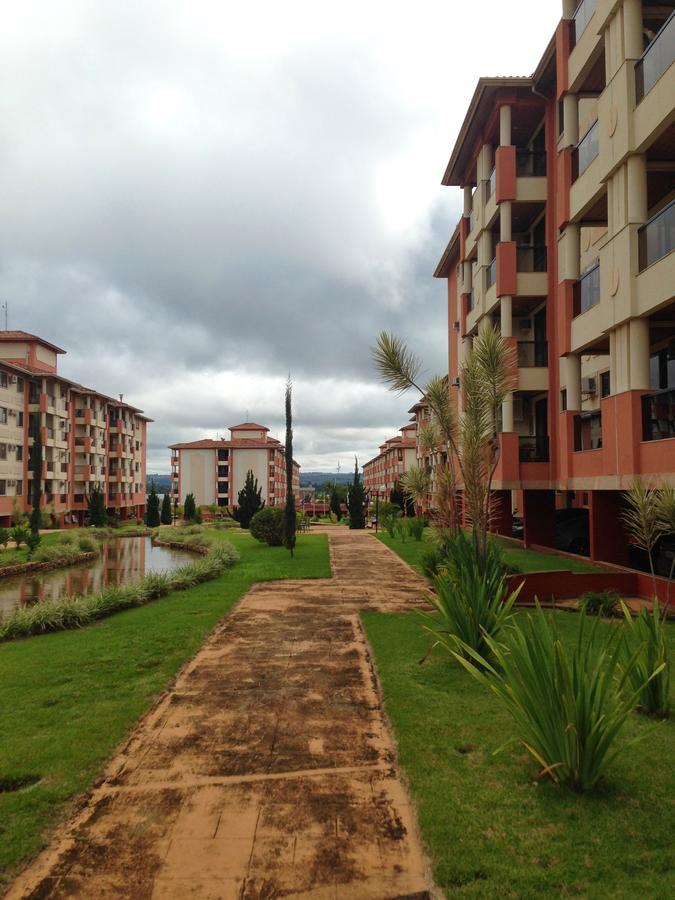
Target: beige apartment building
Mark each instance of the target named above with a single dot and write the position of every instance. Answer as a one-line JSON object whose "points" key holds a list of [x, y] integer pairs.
{"points": [[88, 438], [215, 470], [396, 456], [566, 245]]}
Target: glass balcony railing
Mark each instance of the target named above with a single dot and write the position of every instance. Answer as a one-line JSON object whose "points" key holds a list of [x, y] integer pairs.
{"points": [[532, 354], [588, 431], [658, 416], [656, 238], [530, 163], [582, 16], [587, 291], [656, 60], [491, 274], [491, 185], [533, 448], [472, 300], [586, 150], [530, 259]]}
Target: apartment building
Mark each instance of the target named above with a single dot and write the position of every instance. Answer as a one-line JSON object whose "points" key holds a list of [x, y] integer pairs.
{"points": [[215, 470], [88, 438], [566, 244], [396, 456]]}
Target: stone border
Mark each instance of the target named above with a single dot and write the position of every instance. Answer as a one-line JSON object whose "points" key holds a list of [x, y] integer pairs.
{"points": [[23, 568]]}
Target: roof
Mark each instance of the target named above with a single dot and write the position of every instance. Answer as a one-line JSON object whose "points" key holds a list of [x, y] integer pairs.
{"points": [[446, 261], [12, 336], [243, 443], [247, 426]]}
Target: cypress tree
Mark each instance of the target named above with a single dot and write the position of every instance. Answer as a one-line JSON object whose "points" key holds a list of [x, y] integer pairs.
{"points": [[98, 515], [356, 500], [335, 503], [152, 508], [166, 517], [289, 514], [190, 509], [249, 501], [35, 464]]}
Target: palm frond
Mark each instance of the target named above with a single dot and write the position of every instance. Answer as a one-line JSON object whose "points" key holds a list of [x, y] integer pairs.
{"points": [[398, 367], [641, 515]]}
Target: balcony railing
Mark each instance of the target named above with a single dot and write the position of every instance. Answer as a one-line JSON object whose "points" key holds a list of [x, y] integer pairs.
{"points": [[656, 238], [658, 416], [582, 16], [533, 448], [491, 274], [472, 300], [531, 259], [491, 185], [656, 60], [587, 291], [588, 431], [530, 163], [586, 151], [532, 354]]}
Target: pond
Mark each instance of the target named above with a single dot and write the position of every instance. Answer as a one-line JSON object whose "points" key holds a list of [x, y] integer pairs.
{"points": [[122, 560]]}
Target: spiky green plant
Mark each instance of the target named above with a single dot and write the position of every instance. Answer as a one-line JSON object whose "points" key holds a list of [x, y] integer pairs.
{"points": [[569, 704], [416, 484], [641, 518], [471, 601], [665, 512], [646, 650]]}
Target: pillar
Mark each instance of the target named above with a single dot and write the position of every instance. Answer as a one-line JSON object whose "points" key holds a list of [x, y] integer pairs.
{"points": [[573, 381], [636, 172], [607, 537], [570, 120], [539, 518], [569, 249], [501, 514], [638, 354], [632, 28], [507, 412], [468, 199], [504, 126], [569, 8], [506, 312]]}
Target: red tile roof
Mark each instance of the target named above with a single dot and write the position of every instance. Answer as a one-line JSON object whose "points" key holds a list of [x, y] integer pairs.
{"points": [[8, 336], [248, 426]]}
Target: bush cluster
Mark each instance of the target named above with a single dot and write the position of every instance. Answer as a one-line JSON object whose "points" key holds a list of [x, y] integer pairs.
{"points": [[59, 615], [267, 526]]}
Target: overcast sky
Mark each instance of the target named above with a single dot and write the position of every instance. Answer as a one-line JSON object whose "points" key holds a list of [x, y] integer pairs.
{"points": [[199, 196]]}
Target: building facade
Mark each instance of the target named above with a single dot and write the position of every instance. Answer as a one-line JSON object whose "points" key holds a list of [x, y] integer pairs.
{"points": [[396, 456], [87, 437], [215, 471], [566, 245]]}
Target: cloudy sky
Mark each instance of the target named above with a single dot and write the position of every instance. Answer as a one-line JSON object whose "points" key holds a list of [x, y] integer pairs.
{"points": [[199, 196]]}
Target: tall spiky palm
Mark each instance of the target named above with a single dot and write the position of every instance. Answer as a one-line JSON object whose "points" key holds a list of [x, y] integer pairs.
{"points": [[641, 518], [666, 517]]}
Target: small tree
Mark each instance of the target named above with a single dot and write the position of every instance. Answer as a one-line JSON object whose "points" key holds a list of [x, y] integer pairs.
{"points": [[33, 540], [190, 508], [4, 537], [249, 501], [335, 503], [399, 498], [289, 515], [165, 516], [356, 500], [152, 508], [98, 515], [35, 464]]}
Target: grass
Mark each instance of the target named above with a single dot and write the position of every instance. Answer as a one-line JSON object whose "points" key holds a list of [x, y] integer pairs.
{"points": [[525, 560], [67, 699], [489, 826], [10, 556]]}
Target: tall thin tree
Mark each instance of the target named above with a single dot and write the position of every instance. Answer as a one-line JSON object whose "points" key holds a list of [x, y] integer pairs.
{"points": [[35, 457], [289, 516]]}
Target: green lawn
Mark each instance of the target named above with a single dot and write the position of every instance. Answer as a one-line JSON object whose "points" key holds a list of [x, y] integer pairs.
{"points": [[525, 560], [490, 828], [67, 699], [10, 556]]}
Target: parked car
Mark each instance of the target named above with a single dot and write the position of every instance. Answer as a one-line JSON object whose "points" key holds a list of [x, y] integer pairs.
{"points": [[571, 531]]}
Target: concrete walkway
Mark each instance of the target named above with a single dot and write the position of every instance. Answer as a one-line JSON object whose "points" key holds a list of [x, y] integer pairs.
{"points": [[267, 769]]}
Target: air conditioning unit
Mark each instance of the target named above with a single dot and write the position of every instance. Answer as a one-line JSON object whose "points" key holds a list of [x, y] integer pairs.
{"points": [[525, 324], [588, 386], [455, 382]]}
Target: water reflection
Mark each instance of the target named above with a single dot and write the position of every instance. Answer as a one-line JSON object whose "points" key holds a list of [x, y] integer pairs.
{"points": [[122, 560]]}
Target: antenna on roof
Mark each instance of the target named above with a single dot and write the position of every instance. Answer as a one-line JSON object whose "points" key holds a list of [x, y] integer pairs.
{"points": [[338, 466], [6, 309], [121, 398]]}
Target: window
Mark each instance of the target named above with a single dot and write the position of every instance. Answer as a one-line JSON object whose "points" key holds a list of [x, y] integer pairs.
{"points": [[3, 379], [19, 452], [19, 487], [3, 415], [3, 451], [19, 419], [604, 384], [563, 399], [19, 385], [3, 487]]}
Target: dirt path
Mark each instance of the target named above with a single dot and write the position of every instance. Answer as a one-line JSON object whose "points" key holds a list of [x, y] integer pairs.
{"points": [[266, 770]]}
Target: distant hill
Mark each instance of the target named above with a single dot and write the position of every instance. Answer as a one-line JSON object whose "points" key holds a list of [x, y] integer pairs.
{"points": [[319, 478], [162, 482]]}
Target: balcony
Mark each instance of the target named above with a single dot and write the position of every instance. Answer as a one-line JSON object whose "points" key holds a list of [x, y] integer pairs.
{"points": [[530, 258], [533, 448], [587, 291], [491, 185], [491, 274], [532, 354], [658, 416], [588, 431], [586, 151], [471, 300], [656, 238], [582, 16], [656, 60], [530, 163]]}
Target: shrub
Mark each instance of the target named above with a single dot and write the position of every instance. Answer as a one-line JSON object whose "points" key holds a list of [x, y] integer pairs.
{"points": [[471, 601], [646, 650], [416, 527], [190, 535], [600, 603], [87, 544], [223, 524], [401, 530], [267, 526], [58, 615], [19, 535], [4, 536], [568, 704], [32, 543]]}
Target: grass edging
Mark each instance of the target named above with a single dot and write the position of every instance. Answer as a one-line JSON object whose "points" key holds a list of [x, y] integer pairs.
{"points": [[60, 615]]}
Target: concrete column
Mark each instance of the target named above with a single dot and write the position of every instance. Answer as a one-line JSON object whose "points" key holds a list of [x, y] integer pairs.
{"points": [[632, 28], [571, 120], [505, 218], [639, 354], [612, 363], [636, 172], [507, 412], [569, 8], [573, 381], [569, 248], [539, 518], [506, 312], [468, 199], [504, 126], [467, 276]]}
